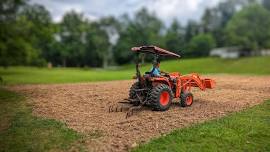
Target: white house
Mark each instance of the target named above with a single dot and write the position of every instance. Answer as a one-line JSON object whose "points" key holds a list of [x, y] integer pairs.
{"points": [[226, 52], [265, 52], [235, 52]]}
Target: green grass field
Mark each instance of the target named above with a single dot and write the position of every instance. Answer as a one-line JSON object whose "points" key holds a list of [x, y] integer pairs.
{"points": [[248, 130], [21, 131], [32, 75]]}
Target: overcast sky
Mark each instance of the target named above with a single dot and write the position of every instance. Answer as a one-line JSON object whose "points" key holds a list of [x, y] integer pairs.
{"points": [[166, 10]]}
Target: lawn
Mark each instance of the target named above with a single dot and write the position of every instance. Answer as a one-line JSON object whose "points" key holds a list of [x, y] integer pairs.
{"points": [[248, 130], [32, 75], [21, 131]]}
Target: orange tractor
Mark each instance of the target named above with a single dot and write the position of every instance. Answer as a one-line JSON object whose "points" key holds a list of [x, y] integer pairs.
{"points": [[158, 92]]}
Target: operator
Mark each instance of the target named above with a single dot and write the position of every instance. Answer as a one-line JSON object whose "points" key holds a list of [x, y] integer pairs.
{"points": [[155, 69]]}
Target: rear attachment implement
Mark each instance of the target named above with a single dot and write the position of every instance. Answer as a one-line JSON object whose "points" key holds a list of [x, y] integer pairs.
{"points": [[130, 105], [126, 105], [120, 106]]}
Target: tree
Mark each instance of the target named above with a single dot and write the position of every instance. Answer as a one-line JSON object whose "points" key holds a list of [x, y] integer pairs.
{"points": [[174, 38], [15, 48], [84, 42], [127, 39], [200, 45], [148, 26], [229, 7], [192, 29], [111, 27], [144, 29], [72, 37], [249, 28], [97, 45], [42, 29], [266, 4], [9, 10], [210, 20], [215, 19], [25, 33]]}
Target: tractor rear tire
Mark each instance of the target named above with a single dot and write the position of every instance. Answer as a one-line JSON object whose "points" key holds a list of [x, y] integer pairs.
{"points": [[132, 93], [161, 97], [186, 99]]}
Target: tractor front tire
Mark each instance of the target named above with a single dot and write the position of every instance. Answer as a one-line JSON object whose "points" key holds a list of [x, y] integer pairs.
{"points": [[132, 93], [161, 97], [186, 99]]}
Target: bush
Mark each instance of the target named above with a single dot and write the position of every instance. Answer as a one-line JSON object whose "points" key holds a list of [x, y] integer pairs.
{"points": [[201, 45]]}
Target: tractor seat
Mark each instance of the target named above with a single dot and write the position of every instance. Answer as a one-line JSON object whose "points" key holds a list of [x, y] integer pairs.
{"points": [[147, 73]]}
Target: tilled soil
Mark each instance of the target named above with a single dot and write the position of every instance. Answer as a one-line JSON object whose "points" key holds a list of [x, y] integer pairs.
{"points": [[84, 107]]}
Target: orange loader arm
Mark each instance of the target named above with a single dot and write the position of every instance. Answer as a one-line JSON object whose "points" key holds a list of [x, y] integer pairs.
{"points": [[194, 80]]}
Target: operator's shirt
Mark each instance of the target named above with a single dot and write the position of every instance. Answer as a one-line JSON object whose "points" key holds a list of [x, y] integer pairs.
{"points": [[155, 72]]}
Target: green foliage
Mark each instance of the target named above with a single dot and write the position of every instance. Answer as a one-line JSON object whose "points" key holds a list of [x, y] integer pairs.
{"points": [[82, 42], [16, 49], [71, 32], [9, 10], [250, 28], [201, 44], [40, 30], [26, 36], [215, 19], [242, 131], [174, 38], [29, 37], [20, 131], [110, 27], [266, 4], [100, 43], [192, 29], [145, 29], [10, 42], [26, 75]]}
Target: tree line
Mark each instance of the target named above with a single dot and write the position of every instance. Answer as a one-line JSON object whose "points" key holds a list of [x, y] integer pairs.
{"points": [[30, 37]]}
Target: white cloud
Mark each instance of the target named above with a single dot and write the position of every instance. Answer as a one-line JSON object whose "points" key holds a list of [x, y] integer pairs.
{"points": [[167, 10], [183, 10]]}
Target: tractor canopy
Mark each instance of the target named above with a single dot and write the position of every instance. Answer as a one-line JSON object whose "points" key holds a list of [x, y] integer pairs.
{"points": [[154, 50]]}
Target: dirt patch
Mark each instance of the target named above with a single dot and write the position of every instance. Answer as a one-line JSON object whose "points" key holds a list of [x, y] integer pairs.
{"points": [[84, 107]]}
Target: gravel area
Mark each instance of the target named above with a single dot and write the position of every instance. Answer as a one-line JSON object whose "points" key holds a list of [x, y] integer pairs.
{"points": [[84, 107]]}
